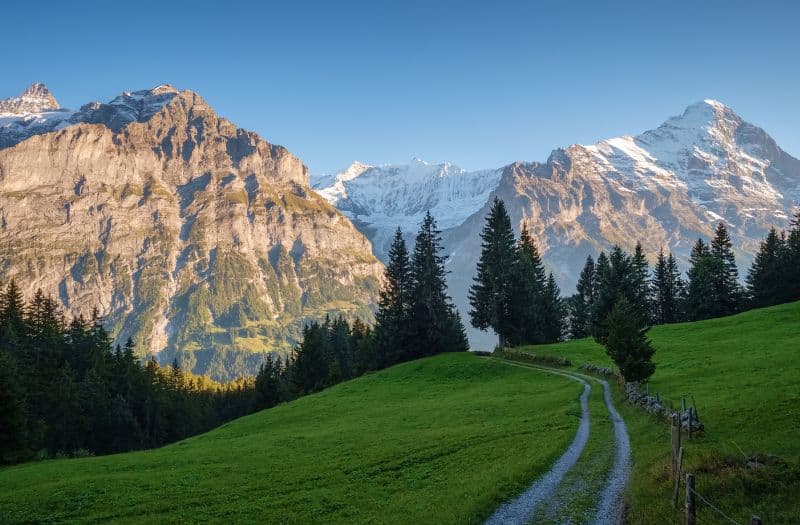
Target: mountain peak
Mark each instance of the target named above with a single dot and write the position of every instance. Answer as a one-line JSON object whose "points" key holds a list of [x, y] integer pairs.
{"points": [[35, 99]]}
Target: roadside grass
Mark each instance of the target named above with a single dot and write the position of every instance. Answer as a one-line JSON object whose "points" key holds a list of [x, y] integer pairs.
{"points": [[440, 440], [744, 374]]}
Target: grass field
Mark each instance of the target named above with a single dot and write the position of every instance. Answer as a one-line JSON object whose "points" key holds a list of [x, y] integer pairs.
{"points": [[441, 440], [744, 373]]}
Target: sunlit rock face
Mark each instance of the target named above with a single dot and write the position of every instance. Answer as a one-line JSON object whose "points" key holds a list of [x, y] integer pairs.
{"points": [[192, 236]]}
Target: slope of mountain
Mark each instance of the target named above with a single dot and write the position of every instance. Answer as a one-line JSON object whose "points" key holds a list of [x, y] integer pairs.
{"points": [[192, 236], [665, 187], [378, 199]]}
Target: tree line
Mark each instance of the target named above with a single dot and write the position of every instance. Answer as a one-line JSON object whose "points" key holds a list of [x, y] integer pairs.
{"points": [[66, 390], [618, 297]]}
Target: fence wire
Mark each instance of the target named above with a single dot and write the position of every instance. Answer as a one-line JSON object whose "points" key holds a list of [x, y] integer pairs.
{"points": [[713, 507]]}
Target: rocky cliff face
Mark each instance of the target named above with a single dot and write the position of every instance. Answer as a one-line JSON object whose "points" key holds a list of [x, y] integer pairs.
{"points": [[665, 187], [193, 237]]}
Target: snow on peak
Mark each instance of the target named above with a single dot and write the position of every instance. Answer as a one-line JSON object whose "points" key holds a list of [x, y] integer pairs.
{"points": [[35, 99]]}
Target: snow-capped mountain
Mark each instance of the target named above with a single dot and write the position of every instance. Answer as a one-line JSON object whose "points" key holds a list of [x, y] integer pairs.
{"points": [[379, 199], [194, 237], [36, 111], [665, 187]]}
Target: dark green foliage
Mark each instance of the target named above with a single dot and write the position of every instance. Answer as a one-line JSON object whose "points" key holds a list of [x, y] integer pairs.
{"points": [[580, 304], [435, 326], [491, 296], [668, 290], [701, 293], [64, 388], [641, 277], [618, 276], [538, 309], [627, 343], [392, 321], [726, 281], [766, 281]]}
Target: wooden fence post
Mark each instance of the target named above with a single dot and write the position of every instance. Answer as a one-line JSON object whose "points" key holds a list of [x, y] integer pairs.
{"points": [[676, 492], [691, 509], [755, 520]]}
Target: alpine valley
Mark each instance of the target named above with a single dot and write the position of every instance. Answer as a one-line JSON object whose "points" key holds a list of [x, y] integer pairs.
{"points": [[198, 239], [665, 188]]}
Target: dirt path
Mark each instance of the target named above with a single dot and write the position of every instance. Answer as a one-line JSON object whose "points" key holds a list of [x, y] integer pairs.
{"points": [[557, 496]]}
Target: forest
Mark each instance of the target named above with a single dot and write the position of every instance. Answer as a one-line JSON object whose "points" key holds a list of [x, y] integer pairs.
{"points": [[66, 389]]}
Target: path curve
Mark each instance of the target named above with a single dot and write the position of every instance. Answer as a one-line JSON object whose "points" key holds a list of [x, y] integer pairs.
{"points": [[521, 509], [610, 504]]}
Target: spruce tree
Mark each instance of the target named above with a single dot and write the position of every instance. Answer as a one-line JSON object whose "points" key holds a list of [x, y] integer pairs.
{"points": [[617, 278], [580, 304], [491, 295], [627, 343], [13, 412], [433, 317], [667, 290], [701, 294], [529, 301], [766, 281], [551, 315], [728, 292], [392, 342], [792, 259], [641, 276]]}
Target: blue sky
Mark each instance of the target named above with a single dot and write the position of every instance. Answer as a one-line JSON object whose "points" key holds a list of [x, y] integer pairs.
{"points": [[479, 84]]}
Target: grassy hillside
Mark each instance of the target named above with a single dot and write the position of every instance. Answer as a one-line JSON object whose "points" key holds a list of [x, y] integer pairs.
{"points": [[440, 440], [744, 373]]}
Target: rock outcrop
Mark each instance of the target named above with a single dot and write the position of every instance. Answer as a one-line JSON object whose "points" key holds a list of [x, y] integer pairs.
{"points": [[192, 236]]}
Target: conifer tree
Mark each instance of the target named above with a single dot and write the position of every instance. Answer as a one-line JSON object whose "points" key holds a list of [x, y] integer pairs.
{"points": [[617, 278], [491, 295], [529, 300], [702, 290], [728, 292], [433, 317], [792, 259], [580, 304], [13, 412], [551, 316], [627, 343], [392, 341], [766, 281], [641, 278], [667, 290]]}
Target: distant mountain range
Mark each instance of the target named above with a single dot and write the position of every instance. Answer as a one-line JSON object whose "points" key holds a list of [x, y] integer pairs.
{"points": [[194, 237], [665, 188]]}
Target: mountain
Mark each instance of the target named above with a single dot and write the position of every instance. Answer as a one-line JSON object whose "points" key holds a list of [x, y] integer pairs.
{"points": [[378, 199], [194, 237], [665, 187]]}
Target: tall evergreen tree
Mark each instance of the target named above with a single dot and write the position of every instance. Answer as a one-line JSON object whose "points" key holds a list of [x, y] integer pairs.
{"points": [[433, 317], [792, 258], [766, 281], [728, 292], [580, 304], [551, 314], [13, 412], [491, 295], [617, 278], [667, 290], [392, 321], [627, 343], [528, 292], [702, 289], [641, 276]]}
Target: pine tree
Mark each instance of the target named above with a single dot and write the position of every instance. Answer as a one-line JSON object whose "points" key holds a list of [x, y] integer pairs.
{"points": [[580, 304], [627, 343], [792, 259], [701, 294], [667, 290], [13, 412], [392, 341], [433, 319], [766, 281], [617, 278], [551, 316], [641, 276], [529, 300], [728, 291], [491, 296]]}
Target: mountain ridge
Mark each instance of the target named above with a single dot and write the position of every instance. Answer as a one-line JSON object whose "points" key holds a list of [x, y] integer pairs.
{"points": [[196, 238]]}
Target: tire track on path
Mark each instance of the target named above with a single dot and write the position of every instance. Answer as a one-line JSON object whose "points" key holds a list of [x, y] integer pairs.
{"points": [[610, 503]]}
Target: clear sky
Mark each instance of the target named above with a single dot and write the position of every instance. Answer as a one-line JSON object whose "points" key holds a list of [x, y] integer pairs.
{"points": [[479, 84]]}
